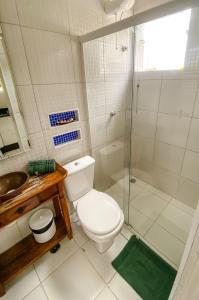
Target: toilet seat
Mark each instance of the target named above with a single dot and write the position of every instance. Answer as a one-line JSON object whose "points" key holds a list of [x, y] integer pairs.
{"points": [[98, 212]]}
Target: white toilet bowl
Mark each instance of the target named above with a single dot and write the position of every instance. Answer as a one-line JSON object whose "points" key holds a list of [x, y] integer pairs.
{"points": [[100, 217]]}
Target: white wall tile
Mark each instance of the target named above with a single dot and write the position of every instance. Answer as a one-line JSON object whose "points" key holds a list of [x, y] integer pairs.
{"points": [[193, 141], [37, 151], [145, 123], [98, 127], [50, 15], [148, 94], [116, 126], [54, 98], [173, 129], [82, 101], [29, 108], [9, 236], [191, 166], [49, 56], [143, 149], [8, 12], [84, 18], [169, 157], [180, 74], [96, 99], [188, 192], [148, 75], [94, 60], [116, 95], [117, 63], [78, 61], [16, 53], [166, 181], [178, 96], [63, 153]]}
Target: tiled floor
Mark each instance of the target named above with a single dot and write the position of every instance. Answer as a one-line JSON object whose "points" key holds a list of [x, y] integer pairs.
{"points": [[76, 272], [160, 220]]}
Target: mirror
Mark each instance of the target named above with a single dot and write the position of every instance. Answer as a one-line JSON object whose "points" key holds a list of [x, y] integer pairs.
{"points": [[13, 135]]}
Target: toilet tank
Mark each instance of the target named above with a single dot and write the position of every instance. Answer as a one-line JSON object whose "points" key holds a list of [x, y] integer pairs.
{"points": [[80, 177]]}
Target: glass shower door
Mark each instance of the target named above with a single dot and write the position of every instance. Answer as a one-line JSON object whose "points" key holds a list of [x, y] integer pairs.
{"points": [[164, 194], [108, 74]]}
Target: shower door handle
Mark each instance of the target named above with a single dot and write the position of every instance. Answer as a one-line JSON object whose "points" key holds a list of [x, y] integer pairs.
{"points": [[137, 96]]}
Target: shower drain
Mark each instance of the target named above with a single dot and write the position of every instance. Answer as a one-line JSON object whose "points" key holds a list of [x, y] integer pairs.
{"points": [[132, 180]]}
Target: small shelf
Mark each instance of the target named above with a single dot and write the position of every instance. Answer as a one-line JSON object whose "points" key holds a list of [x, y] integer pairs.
{"points": [[64, 118], [26, 252]]}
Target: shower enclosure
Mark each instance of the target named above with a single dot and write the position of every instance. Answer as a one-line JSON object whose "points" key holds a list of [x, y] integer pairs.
{"points": [[143, 102]]}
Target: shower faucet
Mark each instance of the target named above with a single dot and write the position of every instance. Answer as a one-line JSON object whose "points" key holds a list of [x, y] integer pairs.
{"points": [[113, 113]]}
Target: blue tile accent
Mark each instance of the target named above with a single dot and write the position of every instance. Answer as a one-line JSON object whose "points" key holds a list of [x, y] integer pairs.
{"points": [[66, 137], [63, 118]]}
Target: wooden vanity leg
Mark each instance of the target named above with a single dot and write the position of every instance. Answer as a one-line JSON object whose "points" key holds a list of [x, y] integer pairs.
{"points": [[2, 290], [64, 207], [56, 206]]}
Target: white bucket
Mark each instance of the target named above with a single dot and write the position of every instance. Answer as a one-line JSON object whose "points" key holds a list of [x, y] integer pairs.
{"points": [[42, 225]]}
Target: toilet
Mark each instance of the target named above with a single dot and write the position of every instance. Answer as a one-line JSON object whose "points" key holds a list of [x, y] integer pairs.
{"points": [[99, 214]]}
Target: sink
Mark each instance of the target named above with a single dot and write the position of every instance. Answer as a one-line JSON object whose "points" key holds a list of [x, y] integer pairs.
{"points": [[12, 184]]}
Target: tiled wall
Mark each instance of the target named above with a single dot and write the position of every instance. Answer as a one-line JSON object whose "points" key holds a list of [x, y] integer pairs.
{"points": [[166, 130], [108, 74]]}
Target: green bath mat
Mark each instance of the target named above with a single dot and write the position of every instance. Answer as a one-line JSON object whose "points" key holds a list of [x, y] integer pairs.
{"points": [[149, 275]]}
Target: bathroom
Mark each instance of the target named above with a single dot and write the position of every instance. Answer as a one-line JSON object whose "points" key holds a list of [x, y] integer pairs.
{"points": [[132, 94]]}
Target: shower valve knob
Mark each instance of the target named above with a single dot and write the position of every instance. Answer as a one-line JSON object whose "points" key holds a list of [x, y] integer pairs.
{"points": [[113, 113]]}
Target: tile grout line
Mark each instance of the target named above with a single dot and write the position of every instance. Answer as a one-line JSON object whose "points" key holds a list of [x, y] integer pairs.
{"points": [[188, 135]]}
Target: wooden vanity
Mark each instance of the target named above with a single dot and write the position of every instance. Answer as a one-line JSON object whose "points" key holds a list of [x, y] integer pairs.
{"points": [[25, 253]]}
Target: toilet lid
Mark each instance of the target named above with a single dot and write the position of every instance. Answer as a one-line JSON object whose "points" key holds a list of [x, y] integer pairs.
{"points": [[98, 212]]}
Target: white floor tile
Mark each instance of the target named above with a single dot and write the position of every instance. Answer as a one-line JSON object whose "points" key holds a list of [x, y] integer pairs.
{"points": [[79, 235], [149, 204], [162, 195], [106, 294], [137, 190], [119, 194], [102, 261], [145, 186], [175, 221], [37, 293], [126, 232], [183, 206], [166, 243], [49, 262], [138, 221], [22, 285], [74, 280], [122, 289]]}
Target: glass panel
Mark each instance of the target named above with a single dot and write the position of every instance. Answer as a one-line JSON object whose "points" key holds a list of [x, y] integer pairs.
{"points": [[108, 73], [165, 148]]}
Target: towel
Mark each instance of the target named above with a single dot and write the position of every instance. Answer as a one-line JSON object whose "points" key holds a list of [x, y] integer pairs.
{"points": [[38, 167]]}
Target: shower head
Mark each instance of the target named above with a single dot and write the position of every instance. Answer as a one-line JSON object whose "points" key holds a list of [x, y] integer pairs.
{"points": [[117, 6]]}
